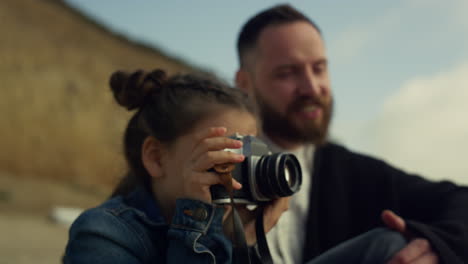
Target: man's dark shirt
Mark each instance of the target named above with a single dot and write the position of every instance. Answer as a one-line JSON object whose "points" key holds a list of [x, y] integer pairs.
{"points": [[350, 191]]}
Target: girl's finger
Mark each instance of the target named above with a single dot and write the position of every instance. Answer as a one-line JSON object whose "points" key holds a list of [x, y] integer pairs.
{"points": [[201, 180], [236, 185], [208, 159], [273, 211], [197, 186], [227, 211], [200, 135], [215, 143]]}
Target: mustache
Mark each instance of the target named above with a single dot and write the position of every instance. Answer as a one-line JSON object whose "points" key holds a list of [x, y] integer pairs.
{"points": [[302, 101]]}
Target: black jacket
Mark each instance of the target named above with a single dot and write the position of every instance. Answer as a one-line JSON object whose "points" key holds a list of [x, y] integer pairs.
{"points": [[350, 191]]}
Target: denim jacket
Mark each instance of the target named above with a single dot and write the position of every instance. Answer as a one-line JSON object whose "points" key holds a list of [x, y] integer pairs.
{"points": [[131, 229]]}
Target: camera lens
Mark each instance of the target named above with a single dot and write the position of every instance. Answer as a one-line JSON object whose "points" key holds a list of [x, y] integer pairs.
{"points": [[287, 176], [278, 175]]}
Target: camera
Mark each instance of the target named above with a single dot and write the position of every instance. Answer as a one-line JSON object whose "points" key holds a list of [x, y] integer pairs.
{"points": [[264, 176]]}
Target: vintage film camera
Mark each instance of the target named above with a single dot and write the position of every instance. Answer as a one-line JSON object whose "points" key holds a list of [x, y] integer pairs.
{"points": [[264, 176]]}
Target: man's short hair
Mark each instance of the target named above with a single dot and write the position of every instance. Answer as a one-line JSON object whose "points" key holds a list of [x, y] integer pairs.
{"points": [[276, 15]]}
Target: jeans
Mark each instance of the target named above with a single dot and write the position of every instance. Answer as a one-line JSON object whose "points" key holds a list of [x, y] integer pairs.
{"points": [[376, 246]]}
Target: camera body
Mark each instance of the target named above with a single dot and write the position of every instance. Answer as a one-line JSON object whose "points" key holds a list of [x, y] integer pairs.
{"points": [[264, 176]]}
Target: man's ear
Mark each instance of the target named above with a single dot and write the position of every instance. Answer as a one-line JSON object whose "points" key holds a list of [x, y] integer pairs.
{"points": [[151, 157], [243, 81]]}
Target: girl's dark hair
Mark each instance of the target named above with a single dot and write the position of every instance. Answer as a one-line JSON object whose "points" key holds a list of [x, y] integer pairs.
{"points": [[167, 108]]}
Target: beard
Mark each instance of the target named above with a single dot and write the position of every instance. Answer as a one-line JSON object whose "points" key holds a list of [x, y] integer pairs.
{"points": [[276, 124]]}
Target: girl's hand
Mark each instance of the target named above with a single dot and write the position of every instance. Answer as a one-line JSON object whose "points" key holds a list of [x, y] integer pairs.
{"points": [[207, 151]]}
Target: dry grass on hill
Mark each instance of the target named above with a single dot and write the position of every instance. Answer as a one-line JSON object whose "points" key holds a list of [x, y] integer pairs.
{"points": [[59, 118]]}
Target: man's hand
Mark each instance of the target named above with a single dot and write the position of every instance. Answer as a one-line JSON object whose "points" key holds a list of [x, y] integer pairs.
{"points": [[417, 251]]}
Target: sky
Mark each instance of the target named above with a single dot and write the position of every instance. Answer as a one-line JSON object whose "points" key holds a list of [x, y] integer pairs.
{"points": [[399, 69]]}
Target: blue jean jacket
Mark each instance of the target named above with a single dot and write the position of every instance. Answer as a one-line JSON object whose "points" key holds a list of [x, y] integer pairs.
{"points": [[132, 229]]}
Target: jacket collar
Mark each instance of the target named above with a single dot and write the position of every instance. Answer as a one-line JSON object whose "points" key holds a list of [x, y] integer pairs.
{"points": [[142, 199]]}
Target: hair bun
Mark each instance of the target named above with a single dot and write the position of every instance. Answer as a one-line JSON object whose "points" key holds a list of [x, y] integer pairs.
{"points": [[131, 90]]}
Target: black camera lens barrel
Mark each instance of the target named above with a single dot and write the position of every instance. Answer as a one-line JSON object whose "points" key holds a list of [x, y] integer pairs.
{"points": [[278, 175]]}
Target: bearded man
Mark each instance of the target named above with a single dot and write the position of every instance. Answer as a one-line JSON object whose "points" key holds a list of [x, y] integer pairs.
{"points": [[283, 68]]}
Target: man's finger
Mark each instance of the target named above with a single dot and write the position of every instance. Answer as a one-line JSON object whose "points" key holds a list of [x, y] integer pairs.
{"points": [[428, 258], [414, 250], [393, 221]]}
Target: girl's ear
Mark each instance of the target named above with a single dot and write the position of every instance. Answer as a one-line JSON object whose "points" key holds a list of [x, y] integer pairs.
{"points": [[151, 157]]}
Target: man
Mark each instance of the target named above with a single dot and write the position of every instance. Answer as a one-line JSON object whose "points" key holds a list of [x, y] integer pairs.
{"points": [[283, 68]]}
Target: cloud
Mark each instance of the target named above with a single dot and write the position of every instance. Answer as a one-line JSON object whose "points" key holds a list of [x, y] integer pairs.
{"points": [[423, 127]]}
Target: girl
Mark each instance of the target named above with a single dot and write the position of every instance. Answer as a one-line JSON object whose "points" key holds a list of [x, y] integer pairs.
{"points": [[161, 212]]}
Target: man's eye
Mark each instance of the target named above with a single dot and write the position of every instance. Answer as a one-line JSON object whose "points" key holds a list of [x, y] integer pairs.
{"points": [[320, 68], [284, 73]]}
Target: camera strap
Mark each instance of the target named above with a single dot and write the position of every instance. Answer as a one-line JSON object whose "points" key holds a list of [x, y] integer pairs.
{"points": [[240, 249], [262, 243], [241, 252]]}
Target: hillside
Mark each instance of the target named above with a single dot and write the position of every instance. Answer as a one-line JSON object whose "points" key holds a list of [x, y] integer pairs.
{"points": [[59, 120]]}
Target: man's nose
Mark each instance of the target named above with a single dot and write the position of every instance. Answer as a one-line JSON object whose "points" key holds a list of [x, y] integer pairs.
{"points": [[310, 84]]}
